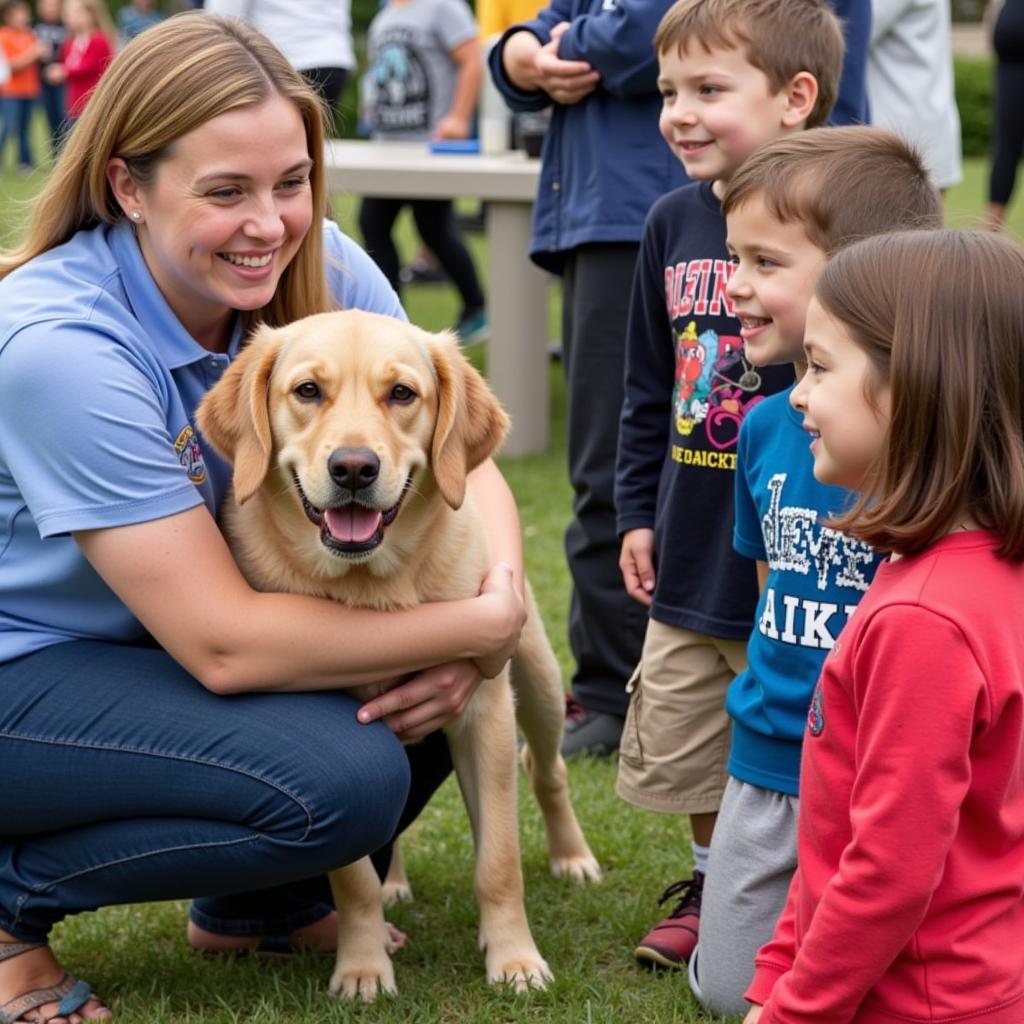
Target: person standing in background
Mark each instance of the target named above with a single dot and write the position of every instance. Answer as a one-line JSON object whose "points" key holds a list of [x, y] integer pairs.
{"points": [[51, 33], [21, 52], [425, 71], [315, 36], [603, 165], [136, 17], [85, 54], [1007, 17], [910, 81]]}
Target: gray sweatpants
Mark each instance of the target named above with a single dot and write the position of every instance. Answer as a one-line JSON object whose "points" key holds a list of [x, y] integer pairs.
{"points": [[752, 860]]}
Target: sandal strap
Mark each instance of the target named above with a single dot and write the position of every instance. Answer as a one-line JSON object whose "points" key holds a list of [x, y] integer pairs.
{"points": [[10, 949], [69, 992]]}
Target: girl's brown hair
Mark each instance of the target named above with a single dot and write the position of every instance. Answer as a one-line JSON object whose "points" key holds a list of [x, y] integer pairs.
{"points": [[170, 80], [940, 315]]}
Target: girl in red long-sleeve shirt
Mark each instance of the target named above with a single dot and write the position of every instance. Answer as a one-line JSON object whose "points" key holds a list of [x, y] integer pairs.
{"points": [[85, 54], [908, 903]]}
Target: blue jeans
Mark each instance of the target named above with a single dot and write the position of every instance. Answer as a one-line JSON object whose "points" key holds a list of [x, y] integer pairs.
{"points": [[124, 780], [16, 122]]}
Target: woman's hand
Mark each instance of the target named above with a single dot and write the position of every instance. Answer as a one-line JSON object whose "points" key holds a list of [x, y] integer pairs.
{"points": [[505, 607], [426, 702]]}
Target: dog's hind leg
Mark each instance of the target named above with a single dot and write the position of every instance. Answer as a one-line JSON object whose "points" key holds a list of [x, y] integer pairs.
{"points": [[483, 746], [396, 887], [363, 967], [540, 710]]}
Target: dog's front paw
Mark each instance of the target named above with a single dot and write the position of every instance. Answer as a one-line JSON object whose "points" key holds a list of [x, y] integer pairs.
{"points": [[364, 980], [522, 971], [580, 868], [396, 892]]}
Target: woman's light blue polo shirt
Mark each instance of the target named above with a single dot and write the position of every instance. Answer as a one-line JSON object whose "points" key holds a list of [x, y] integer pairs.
{"points": [[99, 383]]}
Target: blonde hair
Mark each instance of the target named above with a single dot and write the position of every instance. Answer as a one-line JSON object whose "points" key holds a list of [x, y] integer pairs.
{"points": [[780, 38], [165, 83], [101, 18]]}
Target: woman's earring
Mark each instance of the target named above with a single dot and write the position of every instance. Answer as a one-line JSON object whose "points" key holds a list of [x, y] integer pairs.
{"points": [[136, 215]]}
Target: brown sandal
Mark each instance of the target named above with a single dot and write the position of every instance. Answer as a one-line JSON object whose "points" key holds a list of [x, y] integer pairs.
{"points": [[69, 992]]}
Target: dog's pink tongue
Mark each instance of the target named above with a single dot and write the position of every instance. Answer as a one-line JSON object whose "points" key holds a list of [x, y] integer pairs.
{"points": [[353, 523]]}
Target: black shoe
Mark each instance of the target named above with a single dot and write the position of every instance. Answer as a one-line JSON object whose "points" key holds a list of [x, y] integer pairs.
{"points": [[596, 733]]}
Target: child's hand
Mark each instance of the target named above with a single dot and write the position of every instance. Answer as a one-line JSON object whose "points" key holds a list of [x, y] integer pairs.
{"points": [[451, 126], [637, 564], [753, 1015], [565, 81]]}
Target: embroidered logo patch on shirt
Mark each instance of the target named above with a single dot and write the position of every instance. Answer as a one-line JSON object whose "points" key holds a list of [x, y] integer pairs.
{"points": [[190, 455], [816, 716]]}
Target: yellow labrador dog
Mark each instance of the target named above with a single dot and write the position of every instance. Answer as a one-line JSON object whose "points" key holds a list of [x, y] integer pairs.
{"points": [[351, 435]]}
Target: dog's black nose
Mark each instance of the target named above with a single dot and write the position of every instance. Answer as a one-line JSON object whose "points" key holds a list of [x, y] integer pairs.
{"points": [[353, 468]]}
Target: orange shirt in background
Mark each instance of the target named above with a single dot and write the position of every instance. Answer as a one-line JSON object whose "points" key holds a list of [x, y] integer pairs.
{"points": [[23, 83]]}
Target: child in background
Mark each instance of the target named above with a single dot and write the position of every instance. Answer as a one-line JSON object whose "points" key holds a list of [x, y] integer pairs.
{"points": [[85, 54], [733, 75], [787, 210], [51, 33], [18, 94], [136, 17], [908, 903], [425, 68]]}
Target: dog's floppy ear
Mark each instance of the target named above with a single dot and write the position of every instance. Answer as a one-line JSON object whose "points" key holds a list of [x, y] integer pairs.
{"points": [[470, 422], [234, 416]]}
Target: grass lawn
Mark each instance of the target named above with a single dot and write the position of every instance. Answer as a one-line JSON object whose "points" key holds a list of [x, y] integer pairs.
{"points": [[137, 957]]}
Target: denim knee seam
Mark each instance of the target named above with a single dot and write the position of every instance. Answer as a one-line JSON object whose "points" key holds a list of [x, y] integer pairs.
{"points": [[207, 762]]}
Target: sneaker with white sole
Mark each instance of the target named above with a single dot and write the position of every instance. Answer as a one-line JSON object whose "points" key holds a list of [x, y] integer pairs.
{"points": [[671, 942]]}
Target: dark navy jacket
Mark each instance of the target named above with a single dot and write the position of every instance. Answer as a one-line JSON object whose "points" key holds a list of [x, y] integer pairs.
{"points": [[604, 161]]}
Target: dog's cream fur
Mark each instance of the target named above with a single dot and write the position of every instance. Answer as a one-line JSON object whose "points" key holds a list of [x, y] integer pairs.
{"points": [[349, 382]]}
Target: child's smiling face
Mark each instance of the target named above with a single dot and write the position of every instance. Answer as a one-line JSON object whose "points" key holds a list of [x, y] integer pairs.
{"points": [[846, 409], [775, 268], [717, 108]]}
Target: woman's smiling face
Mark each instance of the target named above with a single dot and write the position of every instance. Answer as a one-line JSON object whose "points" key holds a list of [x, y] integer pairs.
{"points": [[225, 214]]}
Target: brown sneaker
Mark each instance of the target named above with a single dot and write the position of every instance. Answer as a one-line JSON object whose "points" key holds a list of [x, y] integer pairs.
{"points": [[671, 942]]}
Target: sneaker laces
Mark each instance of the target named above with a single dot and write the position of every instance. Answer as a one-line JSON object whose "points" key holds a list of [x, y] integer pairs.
{"points": [[689, 891]]}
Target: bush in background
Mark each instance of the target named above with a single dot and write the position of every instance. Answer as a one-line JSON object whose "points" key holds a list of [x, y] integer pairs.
{"points": [[973, 80]]}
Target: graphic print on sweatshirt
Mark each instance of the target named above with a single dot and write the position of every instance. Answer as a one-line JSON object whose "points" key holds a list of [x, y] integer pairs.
{"points": [[713, 384], [797, 543], [401, 84]]}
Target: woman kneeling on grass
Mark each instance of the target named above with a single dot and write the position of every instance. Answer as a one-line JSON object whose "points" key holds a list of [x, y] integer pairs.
{"points": [[145, 756], [908, 901]]}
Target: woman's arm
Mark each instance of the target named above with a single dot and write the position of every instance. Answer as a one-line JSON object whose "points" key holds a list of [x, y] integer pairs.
{"points": [[500, 516], [235, 639]]}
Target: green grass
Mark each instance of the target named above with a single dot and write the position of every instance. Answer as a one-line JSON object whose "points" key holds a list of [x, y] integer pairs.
{"points": [[137, 957]]}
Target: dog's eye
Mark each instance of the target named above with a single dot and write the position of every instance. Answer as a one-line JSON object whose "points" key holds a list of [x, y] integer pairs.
{"points": [[402, 394], [307, 391]]}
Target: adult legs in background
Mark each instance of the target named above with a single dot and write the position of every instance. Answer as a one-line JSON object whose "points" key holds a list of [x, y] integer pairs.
{"points": [[52, 99], [377, 216], [330, 83], [606, 626], [436, 224], [1007, 138], [22, 113], [752, 862]]}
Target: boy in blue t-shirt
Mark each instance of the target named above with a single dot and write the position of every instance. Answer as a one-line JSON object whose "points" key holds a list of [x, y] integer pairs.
{"points": [[733, 74], [787, 210]]}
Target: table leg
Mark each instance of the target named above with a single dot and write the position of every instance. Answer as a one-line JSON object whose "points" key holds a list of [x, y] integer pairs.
{"points": [[517, 302]]}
